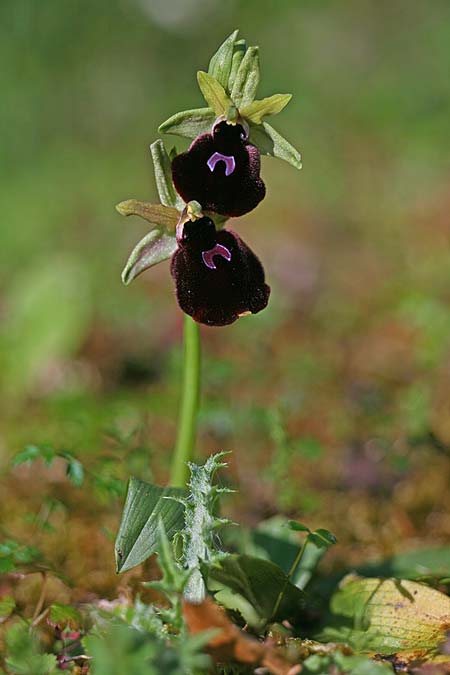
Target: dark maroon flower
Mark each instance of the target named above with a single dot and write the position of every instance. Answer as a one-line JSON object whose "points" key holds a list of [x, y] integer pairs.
{"points": [[218, 278], [221, 171]]}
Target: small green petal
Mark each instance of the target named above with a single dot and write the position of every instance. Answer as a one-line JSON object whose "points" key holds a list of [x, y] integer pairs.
{"points": [[270, 142], [220, 64], [213, 92], [165, 217], [240, 47], [272, 105], [247, 79], [189, 123]]}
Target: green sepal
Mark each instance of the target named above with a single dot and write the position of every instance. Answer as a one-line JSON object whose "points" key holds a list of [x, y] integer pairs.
{"points": [[155, 247], [213, 92], [272, 105], [270, 142], [247, 79], [163, 176], [239, 49], [189, 123], [163, 216], [220, 64]]}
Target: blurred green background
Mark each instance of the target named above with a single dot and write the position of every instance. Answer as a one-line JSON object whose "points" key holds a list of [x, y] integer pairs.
{"points": [[335, 400]]}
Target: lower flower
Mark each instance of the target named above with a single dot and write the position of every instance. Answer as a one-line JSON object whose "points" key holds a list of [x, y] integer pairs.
{"points": [[218, 278]]}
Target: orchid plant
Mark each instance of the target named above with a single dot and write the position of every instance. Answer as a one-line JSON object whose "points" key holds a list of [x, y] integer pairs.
{"points": [[217, 276]]}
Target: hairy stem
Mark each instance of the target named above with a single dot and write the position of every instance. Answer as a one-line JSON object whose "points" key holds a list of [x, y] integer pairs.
{"points": [[190, 397]]}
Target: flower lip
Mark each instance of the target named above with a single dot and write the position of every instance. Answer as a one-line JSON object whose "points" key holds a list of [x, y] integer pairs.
{"points": [[221, 170], [220, 280]]}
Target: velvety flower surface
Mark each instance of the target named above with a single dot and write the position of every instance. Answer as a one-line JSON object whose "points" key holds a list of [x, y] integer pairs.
{"points": [[218, 278], [221, 171]]}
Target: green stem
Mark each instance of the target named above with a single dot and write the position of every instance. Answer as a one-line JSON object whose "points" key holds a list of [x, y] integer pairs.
{"points": [[190, 397], [294, 566]]}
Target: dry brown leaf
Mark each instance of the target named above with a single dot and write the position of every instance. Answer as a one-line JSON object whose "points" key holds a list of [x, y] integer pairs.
{"points": [[232, 644]]}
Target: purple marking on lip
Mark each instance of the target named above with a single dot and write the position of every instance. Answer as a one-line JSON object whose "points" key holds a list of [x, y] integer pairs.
{"points": [[230, 164], [218, 249]]}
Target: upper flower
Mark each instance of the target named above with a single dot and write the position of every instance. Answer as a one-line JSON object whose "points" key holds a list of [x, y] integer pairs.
{"points": [[218, 278], [221, 171]]}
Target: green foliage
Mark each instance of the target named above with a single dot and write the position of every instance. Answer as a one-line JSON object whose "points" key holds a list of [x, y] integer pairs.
{"points": [[14, 555], [64, 615], [23, 655], [7, 605], [31, 453], [252, 586], [344, 665], [122, 649], [145, 506]]}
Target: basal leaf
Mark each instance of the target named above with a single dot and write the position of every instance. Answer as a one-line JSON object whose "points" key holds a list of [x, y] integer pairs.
{"points": [[270, 142], [145, 506], [213, 92], [247, 79], [387, 615], [163, 176], [220, 64], [252, 586], [240, 47], [189, 123], [271, 105], [165, 217], [64, 615], [155, 247]]}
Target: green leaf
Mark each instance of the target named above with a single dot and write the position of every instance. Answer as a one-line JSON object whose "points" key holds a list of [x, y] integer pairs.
{"points": [[322, 538], [7, 605], [163, 176], [271, 105], [155, 247], [387, 615], [297, 527], [74, 470], [22, 653], [33, 452], [165, 217], [145, 505], [319, 664], [240, 47], [123, 650], [247, 79], [252, 586], [64, 615], [214, 94], [189, 123], [220, 64], [270, 142]]}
